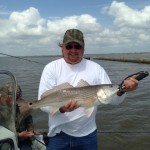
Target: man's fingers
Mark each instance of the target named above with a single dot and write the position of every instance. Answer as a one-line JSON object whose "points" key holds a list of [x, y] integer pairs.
{"points": [[131, 83], [71, 105], [68, 104]]}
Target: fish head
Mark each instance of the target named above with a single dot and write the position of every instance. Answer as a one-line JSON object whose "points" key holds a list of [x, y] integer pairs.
{"points": [[105, 93]]}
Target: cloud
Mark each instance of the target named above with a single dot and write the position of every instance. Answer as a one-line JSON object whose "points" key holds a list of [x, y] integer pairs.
{"points": [[28, 30], [131, 26], [26, 22], [125, 16], [27, 33]]}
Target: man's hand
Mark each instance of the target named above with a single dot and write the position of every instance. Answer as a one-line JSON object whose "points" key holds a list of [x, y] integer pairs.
{"points": [[130, 84], [69, 106], [25, 134]]}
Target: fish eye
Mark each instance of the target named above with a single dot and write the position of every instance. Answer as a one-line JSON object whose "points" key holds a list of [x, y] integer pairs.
{"points": [[30, 103]]}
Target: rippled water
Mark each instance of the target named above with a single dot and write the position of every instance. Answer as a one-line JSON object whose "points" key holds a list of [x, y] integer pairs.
{"points": [[122, 127]]}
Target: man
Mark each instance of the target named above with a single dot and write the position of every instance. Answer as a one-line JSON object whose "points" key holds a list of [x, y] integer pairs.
{"points": [[23, 122], [70, 128]]}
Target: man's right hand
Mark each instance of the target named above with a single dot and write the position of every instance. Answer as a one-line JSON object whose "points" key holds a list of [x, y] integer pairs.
{"points": [[69, 106]]}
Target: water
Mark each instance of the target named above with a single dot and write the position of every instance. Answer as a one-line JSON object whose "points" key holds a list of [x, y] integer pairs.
{"points": [[122, 127]]}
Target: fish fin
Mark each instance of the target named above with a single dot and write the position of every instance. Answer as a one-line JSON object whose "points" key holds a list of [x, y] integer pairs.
{"points": [[57, 88], [63, 86], [88, 111], [82, 83], [53, 110]]}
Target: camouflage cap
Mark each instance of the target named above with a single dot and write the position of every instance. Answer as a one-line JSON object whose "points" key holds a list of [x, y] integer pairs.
{"points": [[73, 35]]}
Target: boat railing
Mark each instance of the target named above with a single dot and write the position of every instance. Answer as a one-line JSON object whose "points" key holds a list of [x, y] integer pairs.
{"points": [[10, 115]]}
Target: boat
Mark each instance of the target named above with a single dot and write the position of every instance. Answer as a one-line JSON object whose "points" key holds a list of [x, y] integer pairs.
{"points": [[8, 137]]}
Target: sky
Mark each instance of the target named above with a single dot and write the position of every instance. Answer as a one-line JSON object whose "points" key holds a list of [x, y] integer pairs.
{"points": [[36, 27]]}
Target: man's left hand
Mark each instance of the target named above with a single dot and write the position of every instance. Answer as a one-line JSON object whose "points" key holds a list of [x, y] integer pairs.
{"points": [[130, 84]]}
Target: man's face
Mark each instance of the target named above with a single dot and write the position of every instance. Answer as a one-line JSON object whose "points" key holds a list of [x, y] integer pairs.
{"points": [[72, 52], [5, 100]]}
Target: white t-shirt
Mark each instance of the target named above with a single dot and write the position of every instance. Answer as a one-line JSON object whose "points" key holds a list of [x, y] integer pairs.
{"points": [[75, 123]]}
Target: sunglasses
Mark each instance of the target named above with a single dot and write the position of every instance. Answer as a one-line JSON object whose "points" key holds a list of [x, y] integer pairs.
{"points": [[76, 46]]}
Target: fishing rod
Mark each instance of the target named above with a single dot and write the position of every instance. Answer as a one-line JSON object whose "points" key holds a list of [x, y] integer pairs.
{"points": [[34, 138], [44, 135], [99, 132], [139, 76], [125, 132], [22, 58]]}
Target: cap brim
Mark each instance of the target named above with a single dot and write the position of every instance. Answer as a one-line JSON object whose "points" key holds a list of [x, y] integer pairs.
{"points": [[77, 41]]}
